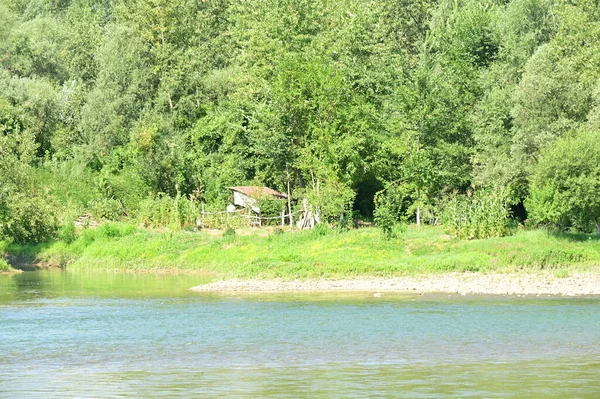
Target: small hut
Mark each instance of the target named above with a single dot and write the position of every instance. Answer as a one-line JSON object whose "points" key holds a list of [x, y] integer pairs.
{"points": [[248, 196]]}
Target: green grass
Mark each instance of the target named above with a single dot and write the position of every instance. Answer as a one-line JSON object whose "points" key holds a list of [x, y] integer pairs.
{"points": [[317, 254]]}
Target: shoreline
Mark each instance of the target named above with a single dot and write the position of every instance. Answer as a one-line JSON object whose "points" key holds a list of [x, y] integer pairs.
{"points": [[576, 284]]}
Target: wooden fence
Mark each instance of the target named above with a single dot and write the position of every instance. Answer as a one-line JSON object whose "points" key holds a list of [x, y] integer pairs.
{"points": [[250, 217]]}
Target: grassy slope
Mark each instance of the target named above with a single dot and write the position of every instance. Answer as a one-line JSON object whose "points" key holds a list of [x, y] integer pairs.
{"points": [[309, 254]]}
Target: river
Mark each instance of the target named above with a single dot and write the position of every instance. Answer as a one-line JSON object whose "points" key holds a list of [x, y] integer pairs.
{"points": [[102, 335]]}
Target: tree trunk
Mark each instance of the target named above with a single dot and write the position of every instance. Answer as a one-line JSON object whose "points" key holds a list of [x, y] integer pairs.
{"points": [[595, 219]]}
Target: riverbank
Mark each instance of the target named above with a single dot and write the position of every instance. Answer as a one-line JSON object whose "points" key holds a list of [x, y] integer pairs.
{"points": [[461, 283], [320, 254], [6, 268]]}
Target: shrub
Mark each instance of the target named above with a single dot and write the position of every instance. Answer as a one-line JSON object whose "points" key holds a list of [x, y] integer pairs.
{"points": [[87, 237], [565, 184], [68, 233], [29, 218], [229, 235], [106, 209], [4, 266], [331, 199], [271, 207], [388, 213]]}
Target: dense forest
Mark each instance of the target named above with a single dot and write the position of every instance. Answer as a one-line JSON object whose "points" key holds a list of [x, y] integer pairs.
{"points": [[366, 108]]}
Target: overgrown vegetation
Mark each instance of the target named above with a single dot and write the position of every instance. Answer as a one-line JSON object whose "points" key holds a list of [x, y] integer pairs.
{"points": [[4, 266], [143, 111], [566, 184], [484, 214], [389, 215]]}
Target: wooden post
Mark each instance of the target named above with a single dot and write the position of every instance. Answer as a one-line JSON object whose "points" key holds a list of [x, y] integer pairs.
{"points": [[289, 197], [282, 217], [202, 217]]}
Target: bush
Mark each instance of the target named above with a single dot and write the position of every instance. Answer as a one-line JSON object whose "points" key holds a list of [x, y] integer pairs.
{"points": [[68, 233], [106, 209], [87, 237], [332, 199], [4, 266], [271, 208], [229, 235], [388, 213], [29, 218], [565, 184]]}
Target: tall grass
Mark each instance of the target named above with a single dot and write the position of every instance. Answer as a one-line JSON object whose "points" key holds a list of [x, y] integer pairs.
{"points": [[165, 211], [485, 214]]}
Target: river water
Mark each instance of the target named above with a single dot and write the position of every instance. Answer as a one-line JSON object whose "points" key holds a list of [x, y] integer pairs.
{"points": [[90, 335]]}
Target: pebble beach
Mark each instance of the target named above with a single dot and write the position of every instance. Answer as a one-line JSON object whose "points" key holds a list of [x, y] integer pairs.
{"points": [[575, 284]]}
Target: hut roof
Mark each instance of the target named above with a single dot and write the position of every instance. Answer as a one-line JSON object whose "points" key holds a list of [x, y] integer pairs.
{"points": [[258, 192]]}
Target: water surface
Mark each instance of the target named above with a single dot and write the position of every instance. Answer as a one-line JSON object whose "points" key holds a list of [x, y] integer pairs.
{"points": [[69, 334]]}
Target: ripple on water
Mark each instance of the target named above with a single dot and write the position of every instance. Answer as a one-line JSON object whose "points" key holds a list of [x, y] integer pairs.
{"points": [[63, 343]]}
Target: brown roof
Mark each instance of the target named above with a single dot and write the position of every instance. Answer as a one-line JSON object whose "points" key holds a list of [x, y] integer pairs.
{"points": [[257, 191]]}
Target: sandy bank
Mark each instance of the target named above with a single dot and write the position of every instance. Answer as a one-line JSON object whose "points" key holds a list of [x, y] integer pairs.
{"points": [[464, 283]]}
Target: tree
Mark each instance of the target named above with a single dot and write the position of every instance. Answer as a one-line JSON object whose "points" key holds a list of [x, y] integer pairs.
{"points": [[120, 92], [524, 26], [566, 182], [555, 94]]}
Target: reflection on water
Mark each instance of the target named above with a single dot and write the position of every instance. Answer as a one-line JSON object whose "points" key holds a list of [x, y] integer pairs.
{"points": [[121, 335], [59, 283]]}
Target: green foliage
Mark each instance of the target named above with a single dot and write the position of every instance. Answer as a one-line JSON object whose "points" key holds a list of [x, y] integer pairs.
{"points": [[305, 254], [4, 266], [566, 182], [553, 258], [484, 214], [330, 199], [229, 235], [114, 230], [25, 218], [104, 232], [165, 211], [389, 216], [399, 229], [106, 209], [67, 233], [320, 230], [137, 110], [270, 207]]}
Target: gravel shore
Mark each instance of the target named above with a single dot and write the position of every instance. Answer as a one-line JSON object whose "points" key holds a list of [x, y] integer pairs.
{"points": [[463, 283]]}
